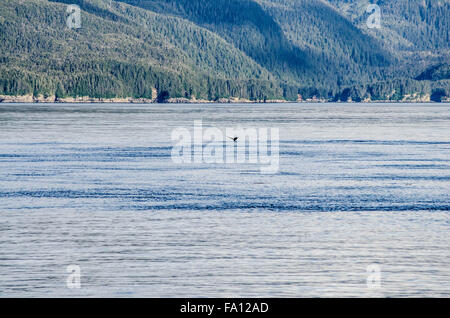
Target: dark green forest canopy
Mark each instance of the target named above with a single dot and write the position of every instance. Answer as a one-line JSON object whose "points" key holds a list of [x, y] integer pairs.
{"points": [[212, 49]]}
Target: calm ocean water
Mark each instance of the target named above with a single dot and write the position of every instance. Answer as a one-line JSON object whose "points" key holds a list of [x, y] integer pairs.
{"points": [[94, 186]]}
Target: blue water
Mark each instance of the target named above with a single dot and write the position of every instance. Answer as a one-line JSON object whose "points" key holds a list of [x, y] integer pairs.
{"points": [[95, 186]]}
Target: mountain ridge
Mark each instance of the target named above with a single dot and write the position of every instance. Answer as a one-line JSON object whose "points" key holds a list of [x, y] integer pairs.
{"points": [[191, 50]]}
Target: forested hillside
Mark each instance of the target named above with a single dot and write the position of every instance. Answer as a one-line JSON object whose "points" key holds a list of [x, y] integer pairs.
{"points": [[244, 24], [341, 53], [407, 25], [436, 73], [120, 51], [212, 49], [416, 32]]}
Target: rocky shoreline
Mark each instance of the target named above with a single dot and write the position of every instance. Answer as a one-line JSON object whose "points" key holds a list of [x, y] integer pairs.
{"points": [[234, 100]]}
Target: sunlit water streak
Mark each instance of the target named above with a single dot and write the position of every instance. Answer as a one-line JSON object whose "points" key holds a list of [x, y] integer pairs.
{"points": [[95, 186]]}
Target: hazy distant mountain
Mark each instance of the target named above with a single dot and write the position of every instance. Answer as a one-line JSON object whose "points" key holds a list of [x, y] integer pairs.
{"points": [[212, 49]]}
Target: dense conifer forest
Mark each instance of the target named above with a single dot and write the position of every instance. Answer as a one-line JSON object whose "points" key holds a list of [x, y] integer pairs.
{"points": [[257, 50]]}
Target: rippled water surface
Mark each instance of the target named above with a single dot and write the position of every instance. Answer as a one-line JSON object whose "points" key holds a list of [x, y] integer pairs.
{"points": [[95, 186]]}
